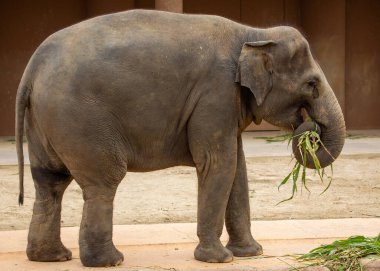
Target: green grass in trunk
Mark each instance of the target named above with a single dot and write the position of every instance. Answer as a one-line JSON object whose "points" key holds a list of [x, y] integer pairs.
{"points": [[308, 143]]}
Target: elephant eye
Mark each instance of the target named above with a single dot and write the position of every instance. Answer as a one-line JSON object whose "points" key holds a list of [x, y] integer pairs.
{"points": [[312, 84]]}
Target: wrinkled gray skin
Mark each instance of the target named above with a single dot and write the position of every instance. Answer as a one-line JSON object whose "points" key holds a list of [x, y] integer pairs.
{"points": [[147, 90]]}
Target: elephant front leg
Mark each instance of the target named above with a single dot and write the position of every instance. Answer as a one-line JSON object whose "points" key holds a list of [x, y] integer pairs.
{"points": [[215, 177], [95, 237], [238, 221]]}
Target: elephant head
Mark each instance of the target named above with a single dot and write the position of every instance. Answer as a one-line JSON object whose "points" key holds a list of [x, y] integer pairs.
{"points": [[286, 81]]}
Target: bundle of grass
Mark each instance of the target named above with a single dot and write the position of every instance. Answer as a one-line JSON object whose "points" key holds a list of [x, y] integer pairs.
{"points": [[306, 144], [343, 255]]}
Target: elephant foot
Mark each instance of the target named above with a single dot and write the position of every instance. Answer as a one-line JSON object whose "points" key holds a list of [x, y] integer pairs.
{"points": [[48, 253], [104, 256], [245, 249], [213, 253]]}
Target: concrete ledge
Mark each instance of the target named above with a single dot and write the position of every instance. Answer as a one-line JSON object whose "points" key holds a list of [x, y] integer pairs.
{"points": [[371, 263], [170, 246], [158, 234]]}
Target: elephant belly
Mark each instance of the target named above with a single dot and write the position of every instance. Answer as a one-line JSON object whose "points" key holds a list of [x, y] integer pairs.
{"points": [[146, 164], [155, 154]]}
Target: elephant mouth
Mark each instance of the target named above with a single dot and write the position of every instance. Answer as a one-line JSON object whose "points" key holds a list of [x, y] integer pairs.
{"points": [[302, 115], [305, 114]]}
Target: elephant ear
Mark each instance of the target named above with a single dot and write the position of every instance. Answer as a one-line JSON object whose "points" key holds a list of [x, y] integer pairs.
{"points": [[255, 68]]}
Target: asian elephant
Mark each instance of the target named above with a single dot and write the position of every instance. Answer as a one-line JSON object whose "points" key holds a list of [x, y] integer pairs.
{"points": [[146, 90]]}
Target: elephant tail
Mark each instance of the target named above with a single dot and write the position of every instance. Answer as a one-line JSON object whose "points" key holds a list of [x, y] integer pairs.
{"points": [[22, 102]]}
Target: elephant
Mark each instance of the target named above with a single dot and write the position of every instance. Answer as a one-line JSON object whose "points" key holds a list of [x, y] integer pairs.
{"points": [[146, 90]]}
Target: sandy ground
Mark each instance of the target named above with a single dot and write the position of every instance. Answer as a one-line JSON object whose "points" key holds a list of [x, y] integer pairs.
{"points": [[170, 195]]}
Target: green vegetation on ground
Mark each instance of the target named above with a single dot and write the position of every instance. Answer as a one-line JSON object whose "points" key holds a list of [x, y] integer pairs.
{"points": [[343, 255]]}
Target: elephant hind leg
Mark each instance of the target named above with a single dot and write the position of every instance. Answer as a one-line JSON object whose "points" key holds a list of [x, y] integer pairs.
{"points": [[44, 240], [96, 247]]}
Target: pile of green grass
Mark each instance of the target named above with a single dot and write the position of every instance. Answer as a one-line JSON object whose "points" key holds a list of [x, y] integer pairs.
{"points": [[308, 144], [343, 255]]}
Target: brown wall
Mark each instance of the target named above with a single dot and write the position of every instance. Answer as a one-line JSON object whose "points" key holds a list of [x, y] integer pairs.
{"points": [[169, 5], [23, 26], [363, 64], [226, 8], [98, 7], [344, 37], [270, 12]]}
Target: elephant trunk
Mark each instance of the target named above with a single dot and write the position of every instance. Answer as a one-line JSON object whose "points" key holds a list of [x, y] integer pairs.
{"points": [[328, 122]]}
